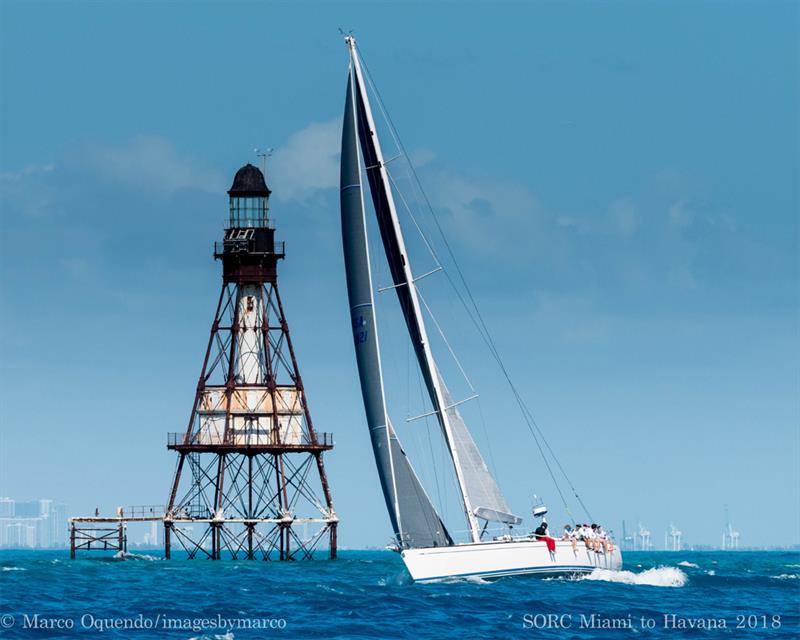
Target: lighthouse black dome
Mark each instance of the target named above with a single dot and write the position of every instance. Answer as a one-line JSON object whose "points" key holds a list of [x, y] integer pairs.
{"points": [[249, 181]]}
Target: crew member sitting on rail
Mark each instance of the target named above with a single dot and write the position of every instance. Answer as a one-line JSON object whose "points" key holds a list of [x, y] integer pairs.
{"points": [[587, 535], [580, 530], [597, 540], [605, 539], [571, 535]]}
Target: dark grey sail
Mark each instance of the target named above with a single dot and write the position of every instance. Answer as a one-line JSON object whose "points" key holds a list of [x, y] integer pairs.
{"points": [[414, 519]]}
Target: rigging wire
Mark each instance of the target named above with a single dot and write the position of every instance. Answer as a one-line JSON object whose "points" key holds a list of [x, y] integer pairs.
{"points": [[477, 317], [462, 370], [414, 219], [446, 341], [435, 468]]}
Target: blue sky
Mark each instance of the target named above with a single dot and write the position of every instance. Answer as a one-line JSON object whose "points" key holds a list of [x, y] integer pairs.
{"points": [[619, 181]]}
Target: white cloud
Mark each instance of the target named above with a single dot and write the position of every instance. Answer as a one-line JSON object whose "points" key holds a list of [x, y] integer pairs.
{"points": [[679, 215], [489, 215], [623, 216], [23, 190], [11, 177], [422, 156], [149, 162], [308, 162]]}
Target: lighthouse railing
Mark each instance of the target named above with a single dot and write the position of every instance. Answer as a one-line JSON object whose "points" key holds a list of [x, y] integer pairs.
{"points": [[178, 439]]}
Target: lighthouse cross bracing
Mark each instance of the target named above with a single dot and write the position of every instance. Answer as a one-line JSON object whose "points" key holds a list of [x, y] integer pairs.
{"points": [[250, 479]]}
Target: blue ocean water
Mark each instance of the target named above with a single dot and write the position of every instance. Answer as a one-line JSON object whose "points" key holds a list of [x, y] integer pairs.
{"points": [[368, 594]]}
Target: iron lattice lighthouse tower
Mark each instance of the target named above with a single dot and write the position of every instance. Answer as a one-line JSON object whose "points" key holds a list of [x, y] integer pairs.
{"points": [[250, 480]]}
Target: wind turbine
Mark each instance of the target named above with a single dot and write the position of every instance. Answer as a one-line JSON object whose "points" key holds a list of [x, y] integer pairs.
{"points": [[644, 538], [672, 538], [730, 537]]}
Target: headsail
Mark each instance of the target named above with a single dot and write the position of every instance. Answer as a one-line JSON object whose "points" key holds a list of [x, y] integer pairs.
{"points": [[487, 499], [480, 493], [414, 519]]}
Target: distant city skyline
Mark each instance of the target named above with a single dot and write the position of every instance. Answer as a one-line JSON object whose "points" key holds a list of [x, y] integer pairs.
{"points": [[33, 524]]}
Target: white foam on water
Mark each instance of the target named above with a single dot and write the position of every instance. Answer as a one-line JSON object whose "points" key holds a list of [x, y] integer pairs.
{"points": [[457, 579], [395, 580], [711, 572], [657, 577], [14, 569], [685, 563], [120, 555], [792, 566], [786, 576], [325, 587]]}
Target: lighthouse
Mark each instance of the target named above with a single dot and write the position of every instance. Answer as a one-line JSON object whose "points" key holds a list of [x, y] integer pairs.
{"points": [[250, 479]]}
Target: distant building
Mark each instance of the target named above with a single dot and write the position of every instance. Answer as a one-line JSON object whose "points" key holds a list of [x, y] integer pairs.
{"points": [[59, 529], [20, 534], [29, 509], [33, 524], [154, 536]]}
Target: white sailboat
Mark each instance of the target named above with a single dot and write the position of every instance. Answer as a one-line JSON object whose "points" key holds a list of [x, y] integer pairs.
{"points": [[427, 548]]}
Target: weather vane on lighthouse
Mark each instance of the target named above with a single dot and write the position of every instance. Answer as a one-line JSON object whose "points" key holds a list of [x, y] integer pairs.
{"points": [[263, 154]]}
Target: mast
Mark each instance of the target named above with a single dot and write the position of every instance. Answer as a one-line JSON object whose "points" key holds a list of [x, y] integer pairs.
{"points": [[423, 347]]}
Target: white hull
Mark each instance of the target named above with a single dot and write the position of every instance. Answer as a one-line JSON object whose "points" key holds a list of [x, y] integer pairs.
{"points": [[495, 559]]}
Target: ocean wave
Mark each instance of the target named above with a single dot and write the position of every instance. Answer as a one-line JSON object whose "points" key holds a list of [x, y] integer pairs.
{"points": [[14, 569], [786, 576], [685, 563], [657, 577], [711, 572]]}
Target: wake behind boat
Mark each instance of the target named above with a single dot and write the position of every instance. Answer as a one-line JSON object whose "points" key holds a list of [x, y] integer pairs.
{"points": [[420, 535]]}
